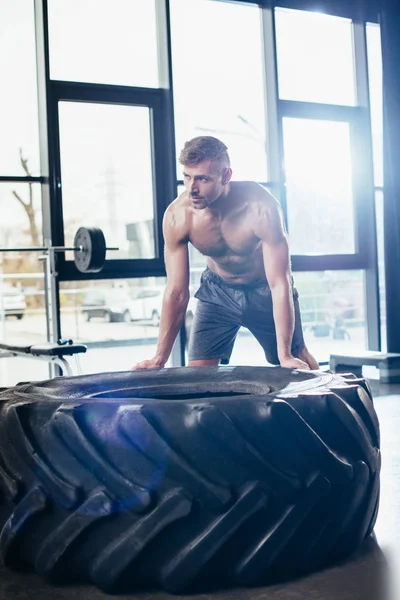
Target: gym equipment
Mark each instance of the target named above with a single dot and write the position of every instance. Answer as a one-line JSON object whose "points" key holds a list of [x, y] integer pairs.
{"points": [[52, 353], [387, 363], [89, 249], [186, 478]]}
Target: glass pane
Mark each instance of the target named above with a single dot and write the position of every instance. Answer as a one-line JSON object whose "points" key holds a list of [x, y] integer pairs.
{"points": [[107, 178], [22, 315], [99, 41], [22, 300], [376, 98], [18, 99], [333, 316], [315, 57], [219, 83], [380, 232], [319, 187], [117, 319], [333, 311], [20, 216]]}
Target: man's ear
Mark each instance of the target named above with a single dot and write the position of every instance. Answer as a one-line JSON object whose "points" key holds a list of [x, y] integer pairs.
{"points": [[226, 175]]}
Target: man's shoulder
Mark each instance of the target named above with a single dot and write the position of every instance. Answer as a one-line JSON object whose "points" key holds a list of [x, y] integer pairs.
{"points": [[180, 203], [175, 217], [251, 188], [254, 192]]}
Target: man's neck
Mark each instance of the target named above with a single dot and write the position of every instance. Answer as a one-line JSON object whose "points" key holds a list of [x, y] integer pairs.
{"points": [[218, 205]]}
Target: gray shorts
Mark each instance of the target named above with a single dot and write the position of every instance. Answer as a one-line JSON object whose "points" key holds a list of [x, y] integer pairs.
{"points": [[222, 309]]}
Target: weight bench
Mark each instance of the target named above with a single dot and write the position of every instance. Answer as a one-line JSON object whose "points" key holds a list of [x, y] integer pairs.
{"points": [[388, 364], [48, 351]]}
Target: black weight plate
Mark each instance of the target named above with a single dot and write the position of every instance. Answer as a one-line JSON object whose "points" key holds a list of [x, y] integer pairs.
{"points": [[91, 259]]}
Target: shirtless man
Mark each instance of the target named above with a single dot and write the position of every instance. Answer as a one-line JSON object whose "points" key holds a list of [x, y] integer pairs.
{"points": [[239, 227]]}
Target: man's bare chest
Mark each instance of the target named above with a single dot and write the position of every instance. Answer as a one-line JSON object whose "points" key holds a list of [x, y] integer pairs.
{"points": [[219, 238]]}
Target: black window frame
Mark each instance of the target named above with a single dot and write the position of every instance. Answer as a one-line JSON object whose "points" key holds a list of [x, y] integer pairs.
{"points": [[163, 180], [357, 119]]}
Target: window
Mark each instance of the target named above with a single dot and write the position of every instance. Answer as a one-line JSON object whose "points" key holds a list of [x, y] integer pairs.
{"points": [[218, 80], [99, 41], [381, 265], [333, 316], [107, 175], [319, 187], [117, 319], [315, 57], [21, 226], [376, 98], [20, 205], [376, 106], [333, 311], [19, 137], [22, 296]]}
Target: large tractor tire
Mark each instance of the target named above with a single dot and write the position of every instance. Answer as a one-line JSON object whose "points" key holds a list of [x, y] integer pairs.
{"points": [[186, 478]]}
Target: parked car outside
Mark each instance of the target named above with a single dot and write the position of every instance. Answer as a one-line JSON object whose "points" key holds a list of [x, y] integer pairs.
{"points": [[118, 304], [12, 301]]}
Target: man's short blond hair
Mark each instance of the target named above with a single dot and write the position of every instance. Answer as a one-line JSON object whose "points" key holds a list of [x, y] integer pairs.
{"points": [[204, 148]]}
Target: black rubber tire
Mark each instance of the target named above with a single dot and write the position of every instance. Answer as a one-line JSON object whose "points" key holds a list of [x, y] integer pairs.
{"points": [[187, 477]]}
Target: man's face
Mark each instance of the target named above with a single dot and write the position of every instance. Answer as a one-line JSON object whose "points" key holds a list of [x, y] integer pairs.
{"points": [[204, 183]]}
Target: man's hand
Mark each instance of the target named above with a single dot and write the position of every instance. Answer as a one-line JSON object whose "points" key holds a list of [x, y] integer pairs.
{"points": [[152, 363], [294, 363]]}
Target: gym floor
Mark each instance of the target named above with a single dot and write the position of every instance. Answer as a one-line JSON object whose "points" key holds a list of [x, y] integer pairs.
{"points": [[368, 575]]}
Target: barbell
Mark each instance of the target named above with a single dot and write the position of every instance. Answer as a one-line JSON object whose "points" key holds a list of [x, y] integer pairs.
{"points": [[89, 249]]}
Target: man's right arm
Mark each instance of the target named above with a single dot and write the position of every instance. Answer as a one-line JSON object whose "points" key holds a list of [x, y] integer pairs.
{"points": [[176, 294]]}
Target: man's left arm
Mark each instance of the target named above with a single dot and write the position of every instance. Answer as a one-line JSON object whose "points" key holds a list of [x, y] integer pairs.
{"points": [[271, 230]]}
